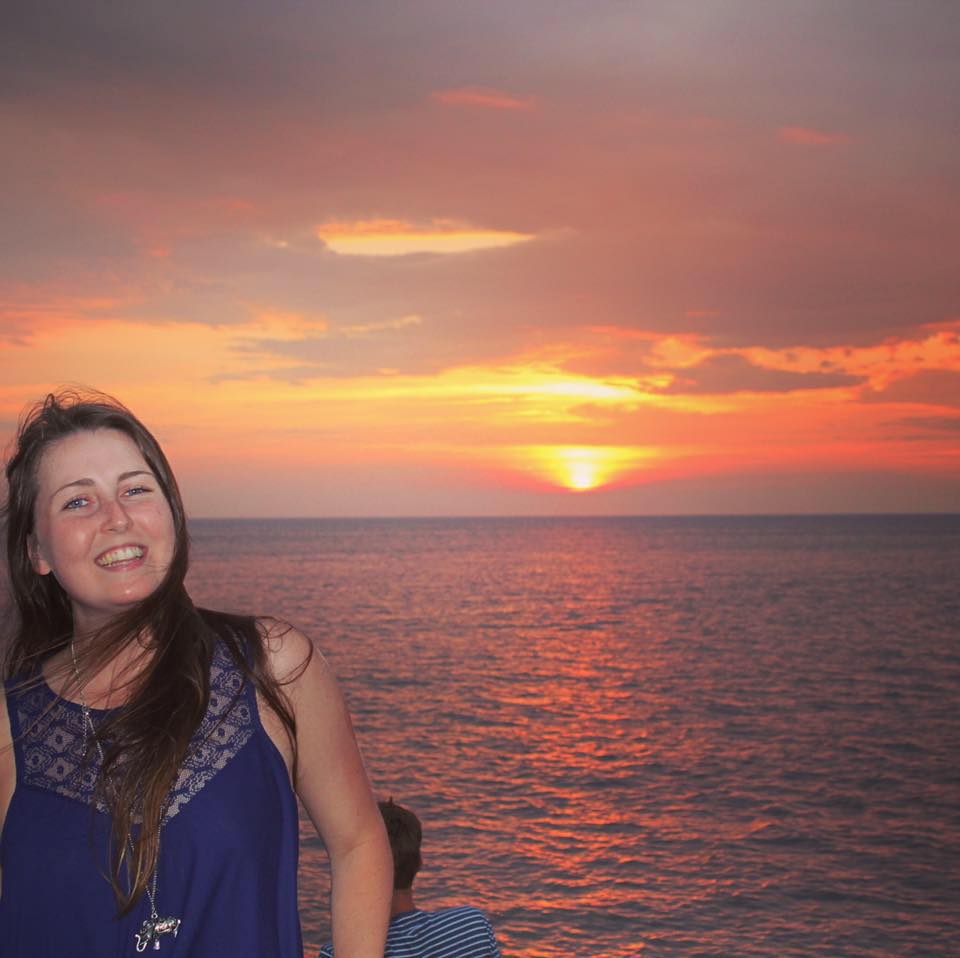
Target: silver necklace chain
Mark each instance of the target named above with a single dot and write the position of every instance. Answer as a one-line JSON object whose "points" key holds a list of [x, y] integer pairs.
{"points": [[154, 926]]}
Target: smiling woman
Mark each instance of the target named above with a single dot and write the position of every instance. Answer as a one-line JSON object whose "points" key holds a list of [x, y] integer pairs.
{"points": [[131, 715], [103, 526]]}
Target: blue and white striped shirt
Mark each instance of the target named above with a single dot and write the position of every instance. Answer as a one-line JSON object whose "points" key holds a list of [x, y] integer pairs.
{"points": [[462, 932]]}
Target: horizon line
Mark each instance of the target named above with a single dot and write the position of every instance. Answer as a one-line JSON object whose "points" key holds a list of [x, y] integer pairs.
{"points": [[612, 515]]}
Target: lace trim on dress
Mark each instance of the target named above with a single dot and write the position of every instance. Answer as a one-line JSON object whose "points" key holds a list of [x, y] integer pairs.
{"points": [[54, 742]]}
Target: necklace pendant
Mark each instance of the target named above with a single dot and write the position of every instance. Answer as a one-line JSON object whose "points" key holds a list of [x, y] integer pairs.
{"points": [[151, 930]]}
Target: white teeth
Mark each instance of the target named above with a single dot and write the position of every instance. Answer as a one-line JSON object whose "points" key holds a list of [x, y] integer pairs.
{"points": [[119, 555]]}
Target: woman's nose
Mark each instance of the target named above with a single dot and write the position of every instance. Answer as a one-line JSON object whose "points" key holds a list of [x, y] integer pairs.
{"points": [[115, 518]]}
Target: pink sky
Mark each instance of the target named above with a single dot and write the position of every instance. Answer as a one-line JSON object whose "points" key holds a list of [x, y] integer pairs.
{"points": [[549, 257]]}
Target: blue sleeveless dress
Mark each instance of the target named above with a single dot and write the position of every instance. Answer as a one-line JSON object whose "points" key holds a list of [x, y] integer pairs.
{"points": [[228, 847]]}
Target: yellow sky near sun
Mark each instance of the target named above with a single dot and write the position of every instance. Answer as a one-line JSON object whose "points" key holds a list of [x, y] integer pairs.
{"points": [[570, 265], [212, 395]]}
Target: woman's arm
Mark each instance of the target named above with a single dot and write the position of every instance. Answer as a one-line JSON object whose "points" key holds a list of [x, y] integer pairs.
{"points": [[332, 784]]}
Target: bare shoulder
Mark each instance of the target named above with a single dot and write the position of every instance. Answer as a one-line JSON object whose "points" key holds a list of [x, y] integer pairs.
{"points": [[308, 685], [290, 653], [302, 673]]}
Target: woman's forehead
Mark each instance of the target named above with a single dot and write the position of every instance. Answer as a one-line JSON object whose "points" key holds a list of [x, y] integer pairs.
{"points": [[90, 454]]}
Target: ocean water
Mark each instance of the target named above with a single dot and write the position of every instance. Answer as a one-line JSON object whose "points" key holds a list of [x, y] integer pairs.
{"points": [[643, 737]]}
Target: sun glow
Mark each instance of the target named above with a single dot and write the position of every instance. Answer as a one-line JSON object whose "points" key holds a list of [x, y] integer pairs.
{"points": [[581, 468]]}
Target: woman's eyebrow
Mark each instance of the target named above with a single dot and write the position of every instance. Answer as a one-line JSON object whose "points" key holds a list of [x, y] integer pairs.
{"points": [[134, 472], [89, 482], [67, 485]]}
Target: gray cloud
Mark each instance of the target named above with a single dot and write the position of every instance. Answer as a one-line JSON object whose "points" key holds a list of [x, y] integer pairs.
{"points": [[368, 347], [731, 374], [928, 387], [653, 168], [931, 428], [337, 56]]}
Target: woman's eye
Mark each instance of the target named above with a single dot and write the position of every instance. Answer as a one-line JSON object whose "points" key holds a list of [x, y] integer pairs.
{"points": [[77, 503], [136, 491]]}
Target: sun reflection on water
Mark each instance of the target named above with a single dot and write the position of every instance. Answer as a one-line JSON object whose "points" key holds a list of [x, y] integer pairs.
{"points": [[630, 737]]}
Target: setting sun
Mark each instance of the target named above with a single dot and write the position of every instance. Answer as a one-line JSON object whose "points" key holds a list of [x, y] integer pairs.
{"points": [[581, 468]]}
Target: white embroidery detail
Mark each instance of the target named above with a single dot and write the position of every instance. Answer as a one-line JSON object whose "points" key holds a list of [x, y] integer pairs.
{"points": [[54, 745]]}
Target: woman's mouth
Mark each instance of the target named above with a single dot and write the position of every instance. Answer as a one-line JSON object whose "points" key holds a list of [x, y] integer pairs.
{"points": [[114, 557]]}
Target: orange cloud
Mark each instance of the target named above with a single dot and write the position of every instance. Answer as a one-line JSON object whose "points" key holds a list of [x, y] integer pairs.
{"points": [[26, 313], [807, 136], [282, 324], [880, 365], [615, 350], [398, 238], [484, 98]]}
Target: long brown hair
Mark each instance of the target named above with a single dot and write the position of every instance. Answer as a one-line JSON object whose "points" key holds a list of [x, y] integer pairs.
{"points": [[146, 741]]}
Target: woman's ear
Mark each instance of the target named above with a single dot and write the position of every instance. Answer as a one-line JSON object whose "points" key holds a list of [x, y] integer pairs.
{"points": [[37, 561]]}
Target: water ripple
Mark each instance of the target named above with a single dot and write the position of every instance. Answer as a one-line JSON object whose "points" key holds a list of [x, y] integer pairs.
{"points": [[688, 737]]}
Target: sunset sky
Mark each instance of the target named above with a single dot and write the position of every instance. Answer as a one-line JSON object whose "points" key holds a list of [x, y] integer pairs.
{"points": [[537, 257]]}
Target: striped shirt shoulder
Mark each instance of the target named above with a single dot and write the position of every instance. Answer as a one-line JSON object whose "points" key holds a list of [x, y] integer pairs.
{"points": [[462, 932]]}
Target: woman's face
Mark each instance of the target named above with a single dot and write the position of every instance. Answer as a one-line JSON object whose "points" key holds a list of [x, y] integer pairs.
{"points": [[102, 525]]}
